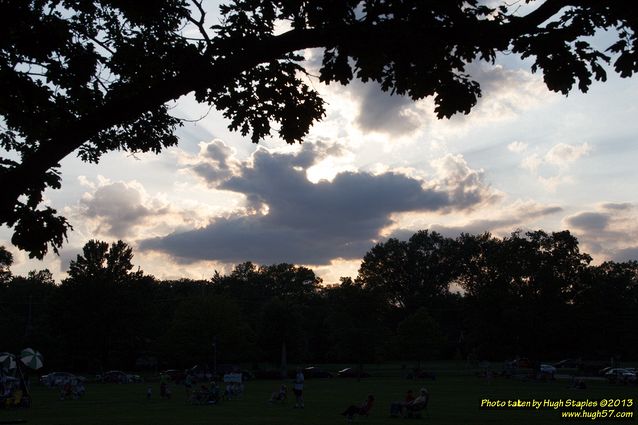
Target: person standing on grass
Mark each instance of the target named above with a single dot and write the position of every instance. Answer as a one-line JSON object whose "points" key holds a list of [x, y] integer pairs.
{"points": [[188, 385], [163, 380], [298, 389]]}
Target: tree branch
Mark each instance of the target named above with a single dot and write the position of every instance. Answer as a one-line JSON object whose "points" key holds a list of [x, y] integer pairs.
{"points": [[126, 105], [200, 23]]}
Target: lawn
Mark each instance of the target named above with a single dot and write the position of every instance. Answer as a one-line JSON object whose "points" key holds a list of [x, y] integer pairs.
{"points": [[455, 398]]}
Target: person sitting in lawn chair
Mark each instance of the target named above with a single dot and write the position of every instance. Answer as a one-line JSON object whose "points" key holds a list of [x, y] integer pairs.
{"points": [[396, 408], [15, 399], [66, 390], [199, 396], [204, 395], [279, 396], [362, 410], [414, 408]]}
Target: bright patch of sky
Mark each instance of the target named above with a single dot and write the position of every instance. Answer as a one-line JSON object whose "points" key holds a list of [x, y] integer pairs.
{"points": [[377, 166]]}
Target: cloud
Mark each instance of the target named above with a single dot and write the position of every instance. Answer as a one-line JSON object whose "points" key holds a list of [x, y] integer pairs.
{"points": [[559, 155], [519, 214], [532, 163], [118, 207], [563, 153], [588, 221], [124, 210], [476, 227], [380, 111], [551, 167], [466, 185], [517, 147], [624, 206], [505, 94], [609, 232], [532, 210], [626, 254], [217, 162], [289, 218]]}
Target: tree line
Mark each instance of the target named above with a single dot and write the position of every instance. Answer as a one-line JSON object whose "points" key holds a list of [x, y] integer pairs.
{"points": [[431, 297]]}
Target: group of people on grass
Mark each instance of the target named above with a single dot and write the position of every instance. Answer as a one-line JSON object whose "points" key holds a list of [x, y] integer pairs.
{"points": [[13, 394], [211, 394], [72, 389], [205, 393], [297, 387], [407, 407]]}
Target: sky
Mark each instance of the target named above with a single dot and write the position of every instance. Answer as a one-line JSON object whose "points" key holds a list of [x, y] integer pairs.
{"points": [[377, 166]]}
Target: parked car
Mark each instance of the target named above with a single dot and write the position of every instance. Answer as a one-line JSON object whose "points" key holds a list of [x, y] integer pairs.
{"points": [[314, 372], [351, 372], [118, 377], [619, 374], [604, 370], [547, 369], [134, 378], [590, 368], [568, 363], [55, 379]]}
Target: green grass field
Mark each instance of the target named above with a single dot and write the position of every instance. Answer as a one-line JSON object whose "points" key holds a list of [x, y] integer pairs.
{"points": [[455, 399]]}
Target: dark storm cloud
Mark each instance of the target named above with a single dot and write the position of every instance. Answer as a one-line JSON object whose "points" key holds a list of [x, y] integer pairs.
{"points": [[310, 223], [589, 221]]}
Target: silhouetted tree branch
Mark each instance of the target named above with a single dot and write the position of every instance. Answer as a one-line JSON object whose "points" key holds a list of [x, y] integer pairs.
{"points": [[415, 48]]}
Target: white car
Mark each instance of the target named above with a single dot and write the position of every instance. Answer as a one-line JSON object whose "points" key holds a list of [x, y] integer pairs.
{"points": [[548, 369], [55, 379], [619, 374]]}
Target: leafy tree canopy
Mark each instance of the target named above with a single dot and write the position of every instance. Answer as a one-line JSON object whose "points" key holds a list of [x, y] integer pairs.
{"points": [[99, 260], [6, 260], [413, 273], [89, 77]]}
